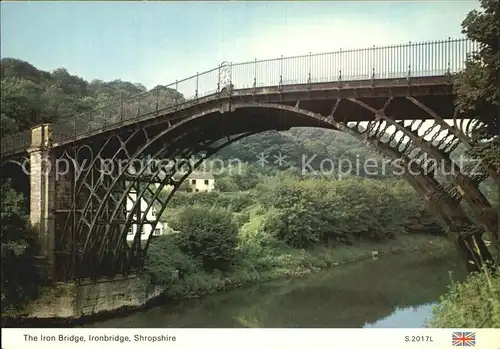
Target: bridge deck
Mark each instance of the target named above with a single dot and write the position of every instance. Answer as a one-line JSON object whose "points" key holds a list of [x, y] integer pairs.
{"points": [[317, 97]]}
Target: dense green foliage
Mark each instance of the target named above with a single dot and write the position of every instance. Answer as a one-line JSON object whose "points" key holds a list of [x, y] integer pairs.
{"points": [[208, 236], [311, 149], [233, 201], [285, 225], [336, 212], [474, 303], [263, 220], [19, 247], [30, 96], [476, 86]]}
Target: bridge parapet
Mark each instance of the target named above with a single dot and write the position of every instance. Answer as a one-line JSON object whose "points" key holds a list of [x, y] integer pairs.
{"points": [[405, 61], [16, 143]]}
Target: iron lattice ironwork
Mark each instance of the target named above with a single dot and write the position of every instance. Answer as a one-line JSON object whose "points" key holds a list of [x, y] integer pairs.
{"points": [[410, 148], [92, 219], [91, 216]]}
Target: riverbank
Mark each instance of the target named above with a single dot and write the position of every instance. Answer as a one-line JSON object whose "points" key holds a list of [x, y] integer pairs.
{"points": [[290, 262], [397, 290], [473, 303]]}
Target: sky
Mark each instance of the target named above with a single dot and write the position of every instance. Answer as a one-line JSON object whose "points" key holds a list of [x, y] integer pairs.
{"points": [[158, 42]]}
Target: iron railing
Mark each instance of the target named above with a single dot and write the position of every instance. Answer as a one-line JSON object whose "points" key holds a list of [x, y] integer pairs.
{"points": [[434, 58], [16, 143]]}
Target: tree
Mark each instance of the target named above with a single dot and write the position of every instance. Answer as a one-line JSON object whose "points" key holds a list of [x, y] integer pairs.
{"points": [[477, 89], [19, 275], [247, 179], [225, 184], [208, 235], [477, 85]]}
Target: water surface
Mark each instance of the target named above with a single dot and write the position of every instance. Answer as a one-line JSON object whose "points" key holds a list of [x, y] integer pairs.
{"points": [[393, 291]]}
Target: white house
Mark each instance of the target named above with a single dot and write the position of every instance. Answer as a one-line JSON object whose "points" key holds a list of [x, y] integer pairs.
{"points": [[200, 182], [146, 229]]}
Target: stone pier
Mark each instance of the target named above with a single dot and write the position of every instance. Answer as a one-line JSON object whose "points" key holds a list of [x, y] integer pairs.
{"points": [[72, 300], [42, 184]]}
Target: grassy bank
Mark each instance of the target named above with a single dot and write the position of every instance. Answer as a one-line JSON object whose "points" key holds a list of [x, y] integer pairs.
{"points": [[283, 262], [473, 303], [283, 226]]}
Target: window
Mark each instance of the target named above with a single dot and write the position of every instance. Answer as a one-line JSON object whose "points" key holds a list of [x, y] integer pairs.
{"points": [[193, 181], [142, 231], [157, 231], [197, 190], [206, 181], [130, 231]]}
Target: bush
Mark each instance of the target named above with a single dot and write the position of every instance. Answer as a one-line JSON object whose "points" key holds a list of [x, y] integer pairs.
{"points": [[312, 211], [296, 219], [225, 184], [255, 243], [235, 202], [241, 218], [164, 258], [232, 201], [208, 235], [474, 303], [362, 209], [20, 278], [417, 218]]}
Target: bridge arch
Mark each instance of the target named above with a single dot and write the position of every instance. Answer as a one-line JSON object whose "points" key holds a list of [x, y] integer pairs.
{"points": [[187, 137], [441, 153], [97, 221], [443, 203]]}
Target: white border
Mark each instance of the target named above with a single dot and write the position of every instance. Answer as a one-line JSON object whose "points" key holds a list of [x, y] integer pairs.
{"points": [[252, 338]]}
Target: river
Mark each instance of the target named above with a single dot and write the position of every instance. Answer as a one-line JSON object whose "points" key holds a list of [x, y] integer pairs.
{"points": [[393, 291]]}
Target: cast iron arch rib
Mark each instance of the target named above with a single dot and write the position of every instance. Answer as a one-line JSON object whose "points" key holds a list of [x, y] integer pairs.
{"points": [[181, 140], [445, 207], [459, 130], [469, 188], [226, 141], [96, 231]]}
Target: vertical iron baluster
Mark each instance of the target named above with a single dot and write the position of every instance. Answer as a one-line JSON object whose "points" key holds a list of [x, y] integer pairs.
{"points": [[340, 66], [409, 62], [374, 62], [230, 76], [121, 106], [177, 89], [255, 74], [448, 56], [197, 82], [310, 67], [281, 72], [394, 65], [138, 105], [157, 93]]}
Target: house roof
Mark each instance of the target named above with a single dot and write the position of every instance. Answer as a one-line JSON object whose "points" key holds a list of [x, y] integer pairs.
{"points": [[193, 175], [201, 175]]}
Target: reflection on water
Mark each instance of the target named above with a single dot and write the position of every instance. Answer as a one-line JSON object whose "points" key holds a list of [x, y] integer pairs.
{"points": [[394, 291], [410, 317]]}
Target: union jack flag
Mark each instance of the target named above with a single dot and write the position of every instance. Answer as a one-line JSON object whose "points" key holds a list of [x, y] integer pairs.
{"points": [[463, 339]]}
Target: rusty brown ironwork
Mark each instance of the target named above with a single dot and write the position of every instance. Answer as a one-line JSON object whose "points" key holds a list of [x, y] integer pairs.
{"points": [[406, 62], [232, 101]]}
